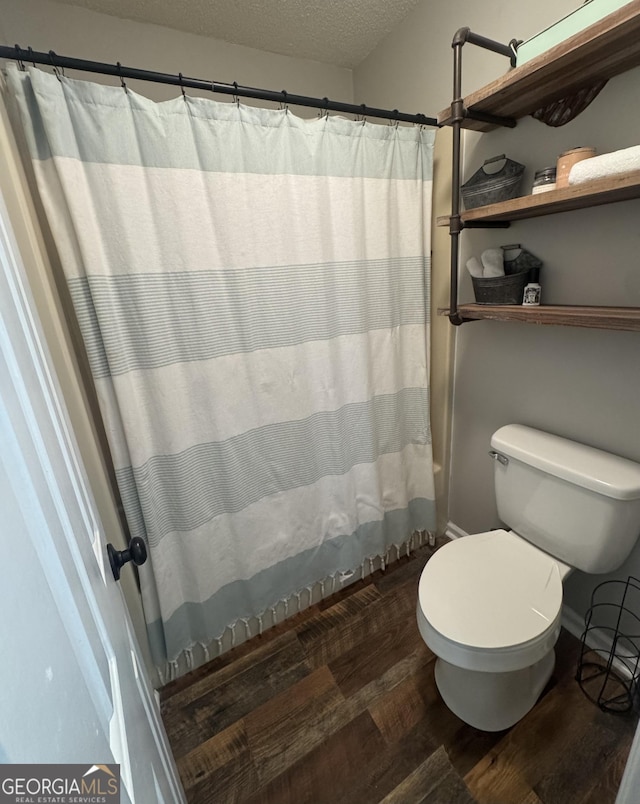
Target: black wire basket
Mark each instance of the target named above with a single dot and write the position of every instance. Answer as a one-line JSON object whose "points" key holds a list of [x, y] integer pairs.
{"points": [[609, 662]]}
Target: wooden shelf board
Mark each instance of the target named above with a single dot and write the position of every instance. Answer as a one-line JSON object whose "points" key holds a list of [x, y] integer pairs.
{"points": [[618, 318], [605, 49], [608, 190]]}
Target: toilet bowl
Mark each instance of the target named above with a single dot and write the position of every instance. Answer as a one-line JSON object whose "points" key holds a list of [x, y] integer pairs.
{"points": [[489, 604], [489, 607]]}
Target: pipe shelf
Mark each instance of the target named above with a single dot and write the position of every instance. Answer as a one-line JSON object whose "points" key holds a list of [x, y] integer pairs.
{"points": [[617, 318], [603, 50], [609, 190], [607, 48]]}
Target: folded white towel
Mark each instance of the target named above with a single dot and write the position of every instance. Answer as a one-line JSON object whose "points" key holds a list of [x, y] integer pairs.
{"points": [[605, 165], [493, 262], [474, 266]]}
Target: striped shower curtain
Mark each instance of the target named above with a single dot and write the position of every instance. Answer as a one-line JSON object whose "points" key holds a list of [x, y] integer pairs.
{"points": [[253, 293]]}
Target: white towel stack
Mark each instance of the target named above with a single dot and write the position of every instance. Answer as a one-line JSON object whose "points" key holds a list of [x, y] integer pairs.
{"points": [[598, 167]]}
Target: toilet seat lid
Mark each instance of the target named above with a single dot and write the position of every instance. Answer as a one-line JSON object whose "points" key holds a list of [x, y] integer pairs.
{"points": [[491, 590]]}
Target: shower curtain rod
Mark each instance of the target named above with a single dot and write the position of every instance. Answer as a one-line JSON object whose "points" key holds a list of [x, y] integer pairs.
{"points": [[58, 62]]}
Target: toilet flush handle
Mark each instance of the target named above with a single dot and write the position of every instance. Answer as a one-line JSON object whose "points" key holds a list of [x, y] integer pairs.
{"points": [[497, 456]]}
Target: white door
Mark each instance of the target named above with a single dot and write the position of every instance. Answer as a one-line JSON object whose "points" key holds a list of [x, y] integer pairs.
{"points": [[72, 686]]}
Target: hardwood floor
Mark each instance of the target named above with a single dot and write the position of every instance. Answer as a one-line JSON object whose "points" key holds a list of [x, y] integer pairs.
{"points": [[339, 705]]}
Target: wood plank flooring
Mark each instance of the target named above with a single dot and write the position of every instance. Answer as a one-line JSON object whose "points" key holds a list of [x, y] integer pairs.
{"points": [[339, 705]]}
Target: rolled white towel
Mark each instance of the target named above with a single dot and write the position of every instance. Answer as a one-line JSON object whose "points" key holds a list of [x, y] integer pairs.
{"points": [[474, 266], [493, 262], [598, 167]]}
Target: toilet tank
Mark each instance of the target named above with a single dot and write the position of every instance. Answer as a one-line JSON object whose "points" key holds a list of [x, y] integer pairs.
{"points": [[579, 504]]}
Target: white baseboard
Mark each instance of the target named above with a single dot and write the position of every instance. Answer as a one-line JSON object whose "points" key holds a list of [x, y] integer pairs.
{"points": [[572, 621], [452, 531]]}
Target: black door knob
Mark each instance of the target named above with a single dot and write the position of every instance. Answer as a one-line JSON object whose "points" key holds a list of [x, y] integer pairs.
{"points": [[136, 552]]}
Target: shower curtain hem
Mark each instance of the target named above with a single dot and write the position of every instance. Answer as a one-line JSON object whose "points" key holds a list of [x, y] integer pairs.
{"points": [[243, 629]]}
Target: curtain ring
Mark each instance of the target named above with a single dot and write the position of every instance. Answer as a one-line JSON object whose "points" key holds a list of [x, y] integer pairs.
{"points": [[363, 106], [236, 97], [284, 103], [184, 95], [56, 70], [122, 82], [19, 59], [395, 122], [30, 52]]}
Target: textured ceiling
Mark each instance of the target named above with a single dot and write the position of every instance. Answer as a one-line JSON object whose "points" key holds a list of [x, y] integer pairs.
{"points": [[340, 32]]}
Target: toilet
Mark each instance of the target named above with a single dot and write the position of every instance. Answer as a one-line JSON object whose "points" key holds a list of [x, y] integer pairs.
{"points": [[489, 604]]}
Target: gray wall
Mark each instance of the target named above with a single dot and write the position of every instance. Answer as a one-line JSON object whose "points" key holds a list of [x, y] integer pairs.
{"points": [[580, 383]]}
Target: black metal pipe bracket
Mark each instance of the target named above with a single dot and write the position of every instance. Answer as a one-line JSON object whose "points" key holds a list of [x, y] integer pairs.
{"points": [[463, 35], [486, 224], [457, 116]]}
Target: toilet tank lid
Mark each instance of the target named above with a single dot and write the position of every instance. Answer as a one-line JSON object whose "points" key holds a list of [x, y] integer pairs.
{"points": [[593, 469]]}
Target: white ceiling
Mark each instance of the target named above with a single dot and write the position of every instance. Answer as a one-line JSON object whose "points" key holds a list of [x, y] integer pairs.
{"points": [[340, 32]]}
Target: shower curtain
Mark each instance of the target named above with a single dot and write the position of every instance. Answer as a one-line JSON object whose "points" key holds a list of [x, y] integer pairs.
{"points": [[253, 293]]}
